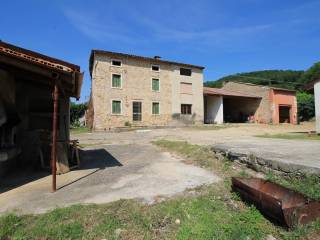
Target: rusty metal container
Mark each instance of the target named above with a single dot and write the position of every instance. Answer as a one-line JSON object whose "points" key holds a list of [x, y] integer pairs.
{"points": [[282, 205]]}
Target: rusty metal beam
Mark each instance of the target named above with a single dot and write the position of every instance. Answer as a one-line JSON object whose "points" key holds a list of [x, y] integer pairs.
{"points": [[54, 136]]}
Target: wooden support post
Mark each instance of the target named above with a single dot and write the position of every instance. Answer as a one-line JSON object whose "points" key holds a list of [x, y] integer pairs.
{"points": [[54, 137]]}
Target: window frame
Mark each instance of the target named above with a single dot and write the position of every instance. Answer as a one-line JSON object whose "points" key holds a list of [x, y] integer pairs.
{"points": [[155, 114], [117, 100], [152, 84], [111, 78], [138, 101], [185, 104], [155, 65], [118, 60], [185, 69]]}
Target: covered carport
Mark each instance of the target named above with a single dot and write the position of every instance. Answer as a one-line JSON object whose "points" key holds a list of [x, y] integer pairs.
{"points": [[222, 105]]}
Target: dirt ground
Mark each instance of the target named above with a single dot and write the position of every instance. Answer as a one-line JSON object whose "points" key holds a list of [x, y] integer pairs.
{"points": [[203, 135], [127, 165]]}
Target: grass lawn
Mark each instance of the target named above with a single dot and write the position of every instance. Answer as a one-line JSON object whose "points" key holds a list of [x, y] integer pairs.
{"points": [[292, 136], [79, 130], [207, 212]]}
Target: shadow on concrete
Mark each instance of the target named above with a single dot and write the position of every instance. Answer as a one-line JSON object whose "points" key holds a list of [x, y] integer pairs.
{"points": [[95, 159]]}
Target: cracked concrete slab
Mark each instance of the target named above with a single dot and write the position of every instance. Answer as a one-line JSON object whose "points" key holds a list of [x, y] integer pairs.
{"points": [[124, 172], [289, 156]]}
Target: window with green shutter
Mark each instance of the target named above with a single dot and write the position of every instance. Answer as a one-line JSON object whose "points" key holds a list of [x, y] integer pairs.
{"points": [[116, 107], [155, 84], [116, 81], [155, 108]]}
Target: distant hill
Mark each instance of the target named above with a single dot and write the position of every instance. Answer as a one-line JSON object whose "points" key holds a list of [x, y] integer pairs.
{"points": [[277, 78]]}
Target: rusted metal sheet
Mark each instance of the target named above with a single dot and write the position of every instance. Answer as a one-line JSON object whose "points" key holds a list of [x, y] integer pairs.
{"points": [[280, 204]]}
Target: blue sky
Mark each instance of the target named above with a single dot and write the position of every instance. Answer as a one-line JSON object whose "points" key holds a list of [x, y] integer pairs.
{"points": [[224, 36]]}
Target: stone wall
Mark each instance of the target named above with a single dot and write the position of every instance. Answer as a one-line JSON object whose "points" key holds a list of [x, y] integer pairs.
{"points": [[180, 97], [137, 77], [263, 113]]}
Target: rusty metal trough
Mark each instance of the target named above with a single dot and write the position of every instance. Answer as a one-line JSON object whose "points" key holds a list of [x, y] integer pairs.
{"points": [[280, 204]]}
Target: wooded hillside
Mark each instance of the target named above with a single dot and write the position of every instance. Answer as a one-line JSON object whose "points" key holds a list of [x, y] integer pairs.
{"points": [[277, 78], [289, 79]]}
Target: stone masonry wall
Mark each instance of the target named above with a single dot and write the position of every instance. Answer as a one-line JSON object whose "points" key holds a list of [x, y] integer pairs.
{"points": [[136, 86], [263, 113]]}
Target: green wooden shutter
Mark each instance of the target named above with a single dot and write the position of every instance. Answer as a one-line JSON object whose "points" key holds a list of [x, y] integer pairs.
{"points": [[155, 84], [116, 80], [116, 107], [155, 108]]}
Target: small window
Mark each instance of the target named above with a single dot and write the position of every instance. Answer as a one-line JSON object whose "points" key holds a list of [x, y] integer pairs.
{"points": [[116, 63], [186, 109], [155, 108], [116, 81], [155, 84], [116, 107], [155, 68], [185, 71]]}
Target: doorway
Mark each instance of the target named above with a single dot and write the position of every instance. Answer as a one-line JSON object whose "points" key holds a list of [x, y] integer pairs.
{"points": [[284, 114], [136, 111]]}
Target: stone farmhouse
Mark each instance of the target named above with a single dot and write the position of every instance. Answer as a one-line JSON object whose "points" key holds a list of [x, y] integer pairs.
{"points": [[140, 91], [129, 90]]}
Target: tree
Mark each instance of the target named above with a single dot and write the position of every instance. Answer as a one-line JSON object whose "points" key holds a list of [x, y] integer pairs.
{"points": [[305, 106], [76, 112], [313, 73]]}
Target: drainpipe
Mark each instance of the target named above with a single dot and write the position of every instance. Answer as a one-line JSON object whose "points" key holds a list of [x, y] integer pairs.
{"points": [[54, 136]]}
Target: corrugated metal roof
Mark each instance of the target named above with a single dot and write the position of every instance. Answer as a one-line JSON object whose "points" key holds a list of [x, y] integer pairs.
{"points": [[223, 92]]}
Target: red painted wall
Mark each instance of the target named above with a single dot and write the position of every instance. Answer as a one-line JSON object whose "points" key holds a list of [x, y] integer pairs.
{"points": [[285, 98]]}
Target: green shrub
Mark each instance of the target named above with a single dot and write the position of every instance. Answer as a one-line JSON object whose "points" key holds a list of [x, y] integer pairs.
{"points": [[76, 112], [306, 109]]}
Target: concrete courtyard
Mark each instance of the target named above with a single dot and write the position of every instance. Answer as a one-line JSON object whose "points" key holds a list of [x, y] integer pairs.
{"points": [[126, 165]]}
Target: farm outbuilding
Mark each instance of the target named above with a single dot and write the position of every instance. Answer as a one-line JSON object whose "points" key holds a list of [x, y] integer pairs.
{"points": [[228, 106], [243, 102], [34, 108]]}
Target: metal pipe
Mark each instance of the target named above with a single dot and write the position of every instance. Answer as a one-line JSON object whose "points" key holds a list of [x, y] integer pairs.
{"points": [[54, 137]]}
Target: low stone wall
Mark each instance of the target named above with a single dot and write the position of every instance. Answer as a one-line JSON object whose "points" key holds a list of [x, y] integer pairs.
{"points": [[263, 164]]}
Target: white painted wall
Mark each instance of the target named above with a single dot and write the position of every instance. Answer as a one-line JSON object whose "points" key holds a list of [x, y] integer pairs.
{"points": [[317, 105], [215, 109]]}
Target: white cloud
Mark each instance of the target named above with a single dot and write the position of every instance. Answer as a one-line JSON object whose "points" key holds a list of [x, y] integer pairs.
{"points": [[90, 26]]}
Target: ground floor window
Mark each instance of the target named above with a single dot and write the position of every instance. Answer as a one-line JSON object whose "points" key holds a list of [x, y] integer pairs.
{"points": [[155, 108], [116, 107], [136, 111], [186, 109]]}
